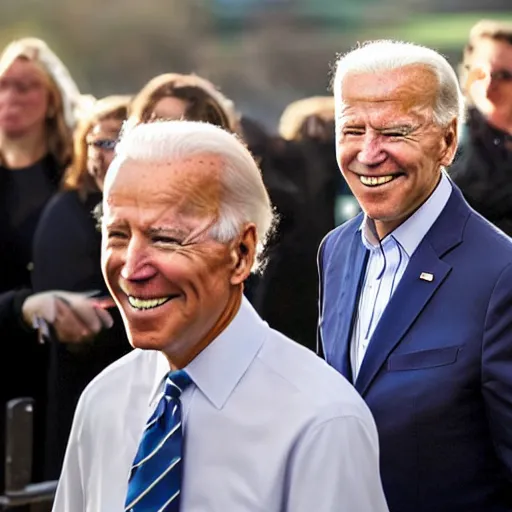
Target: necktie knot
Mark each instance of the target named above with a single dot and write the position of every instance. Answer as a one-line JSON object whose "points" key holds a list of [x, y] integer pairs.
{"points": [[176, 382]]}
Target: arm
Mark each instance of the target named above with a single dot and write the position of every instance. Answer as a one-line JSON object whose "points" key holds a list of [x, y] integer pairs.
{"points": [[11, 316], [335, 466], [497, 367]]}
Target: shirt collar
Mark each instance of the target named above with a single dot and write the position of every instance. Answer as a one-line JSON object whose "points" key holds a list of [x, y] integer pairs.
{"points": [[411, 232], [218, 368]]}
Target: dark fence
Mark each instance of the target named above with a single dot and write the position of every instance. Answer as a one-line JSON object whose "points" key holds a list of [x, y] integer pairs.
{"points": [[18, 460]]}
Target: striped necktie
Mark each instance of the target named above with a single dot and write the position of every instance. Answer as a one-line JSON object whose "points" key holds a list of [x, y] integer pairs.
{"points": [[155, 478]]}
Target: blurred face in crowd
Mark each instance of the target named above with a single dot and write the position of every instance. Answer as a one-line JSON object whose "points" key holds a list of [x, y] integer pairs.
{"points": [[171, 280], [169, 108], [490, 81], [389, 149], [101, 141], [24, 99]]}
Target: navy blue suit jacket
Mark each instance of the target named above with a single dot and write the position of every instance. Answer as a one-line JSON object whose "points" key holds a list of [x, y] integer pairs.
{"points": [[437, 374]]}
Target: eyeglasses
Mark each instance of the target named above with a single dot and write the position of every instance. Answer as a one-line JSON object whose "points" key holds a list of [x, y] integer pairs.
{"points": [[20, 86], [105, 144]]}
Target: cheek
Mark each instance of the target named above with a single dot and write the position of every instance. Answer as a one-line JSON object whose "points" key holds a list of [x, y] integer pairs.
{"points": [[109, 264], [502, 93], [344, 155], [203, 271], [107, 159], [37, 106]]}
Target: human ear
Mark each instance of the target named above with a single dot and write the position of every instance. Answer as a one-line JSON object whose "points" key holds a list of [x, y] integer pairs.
{"points": [[449, 143], [244, 254]]}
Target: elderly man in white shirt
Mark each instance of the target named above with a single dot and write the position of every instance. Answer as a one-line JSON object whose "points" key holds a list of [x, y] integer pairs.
{"points": [[214, 410]]}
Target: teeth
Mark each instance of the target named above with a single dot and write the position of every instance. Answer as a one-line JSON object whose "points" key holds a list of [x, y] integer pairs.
{"points": [[373, 181], [146, 304]]}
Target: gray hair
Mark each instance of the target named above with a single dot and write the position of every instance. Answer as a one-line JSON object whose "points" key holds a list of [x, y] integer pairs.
{"points": [[387, 55], [244, 197]]}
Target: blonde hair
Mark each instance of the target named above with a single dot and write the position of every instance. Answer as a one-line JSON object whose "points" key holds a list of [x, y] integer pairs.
{"points": [[296, 114], [76, 176], [63, 92], [484, 29]]}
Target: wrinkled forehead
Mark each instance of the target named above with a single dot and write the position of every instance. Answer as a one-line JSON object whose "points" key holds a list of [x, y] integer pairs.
{"points": [[403, 88], [190, 185]]}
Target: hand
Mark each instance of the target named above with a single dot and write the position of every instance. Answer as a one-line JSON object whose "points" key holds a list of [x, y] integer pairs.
{"points": [[75, 317]]}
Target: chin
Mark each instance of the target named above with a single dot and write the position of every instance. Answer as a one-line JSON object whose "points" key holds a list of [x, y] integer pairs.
{"points": [[13, 130], [146, 342]]}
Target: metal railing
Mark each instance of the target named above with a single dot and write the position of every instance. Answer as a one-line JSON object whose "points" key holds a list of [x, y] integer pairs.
{"points": [[18, 459]]}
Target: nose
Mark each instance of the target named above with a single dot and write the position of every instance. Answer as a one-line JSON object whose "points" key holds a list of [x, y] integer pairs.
{"points": [[136, 264], [371, 152]]}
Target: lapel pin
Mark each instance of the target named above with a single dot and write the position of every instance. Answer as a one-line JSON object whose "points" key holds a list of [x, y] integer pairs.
{"points": [[427, 276]]}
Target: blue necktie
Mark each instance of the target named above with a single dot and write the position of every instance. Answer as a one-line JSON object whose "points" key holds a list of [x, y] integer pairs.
{"points": [[155, 479]]}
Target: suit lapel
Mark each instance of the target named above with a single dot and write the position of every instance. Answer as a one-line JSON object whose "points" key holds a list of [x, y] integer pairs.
{"points": [[409, 299], [350, 287], [413, 293]]}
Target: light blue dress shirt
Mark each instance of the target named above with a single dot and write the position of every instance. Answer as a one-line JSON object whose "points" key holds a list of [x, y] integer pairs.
{"points": [[386, 266], [268, 426]]}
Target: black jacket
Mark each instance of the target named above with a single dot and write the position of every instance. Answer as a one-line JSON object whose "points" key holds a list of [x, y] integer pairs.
{"points": [[483, 171], [67, 248]]}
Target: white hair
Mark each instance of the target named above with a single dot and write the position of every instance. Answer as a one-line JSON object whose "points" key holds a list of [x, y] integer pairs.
{"points": [[244, 198], [387, 55]]}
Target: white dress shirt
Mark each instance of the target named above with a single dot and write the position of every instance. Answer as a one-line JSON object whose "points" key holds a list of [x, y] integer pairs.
{"points": [[386, 266], [268, 426]]}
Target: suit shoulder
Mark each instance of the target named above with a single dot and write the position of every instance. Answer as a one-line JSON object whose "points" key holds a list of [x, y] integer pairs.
{"points": [[488, 239], [62, 203], [340, 233]]}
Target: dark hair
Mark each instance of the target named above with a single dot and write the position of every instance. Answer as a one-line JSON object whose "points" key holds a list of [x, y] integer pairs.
{"points": [[203, 101]]}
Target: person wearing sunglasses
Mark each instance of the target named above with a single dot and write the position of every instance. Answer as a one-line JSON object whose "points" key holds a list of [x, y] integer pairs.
{"points": [[482, 169], [67, 257]]}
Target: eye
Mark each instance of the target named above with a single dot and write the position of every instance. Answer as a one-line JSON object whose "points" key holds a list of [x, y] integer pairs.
{"points": [[353, 131], [398, 133], [117, 235], [165, 240]]}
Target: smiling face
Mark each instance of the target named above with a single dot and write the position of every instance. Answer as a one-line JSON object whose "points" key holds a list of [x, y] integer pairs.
{"points": [[24, 99], [171, 281], [389, 149]]}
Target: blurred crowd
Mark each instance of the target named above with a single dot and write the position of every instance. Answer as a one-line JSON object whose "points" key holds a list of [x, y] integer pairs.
{"points": [[58, 328]]}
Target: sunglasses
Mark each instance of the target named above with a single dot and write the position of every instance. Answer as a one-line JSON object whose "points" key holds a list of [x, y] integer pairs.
{"points": [[106, 144]]}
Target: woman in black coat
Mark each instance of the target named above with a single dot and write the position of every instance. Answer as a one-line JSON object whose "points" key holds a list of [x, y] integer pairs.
{"points": [[67, 248], [38, 101]]}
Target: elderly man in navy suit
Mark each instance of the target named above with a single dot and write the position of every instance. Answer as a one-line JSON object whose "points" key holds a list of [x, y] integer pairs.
{"points": [[416, 292]]}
